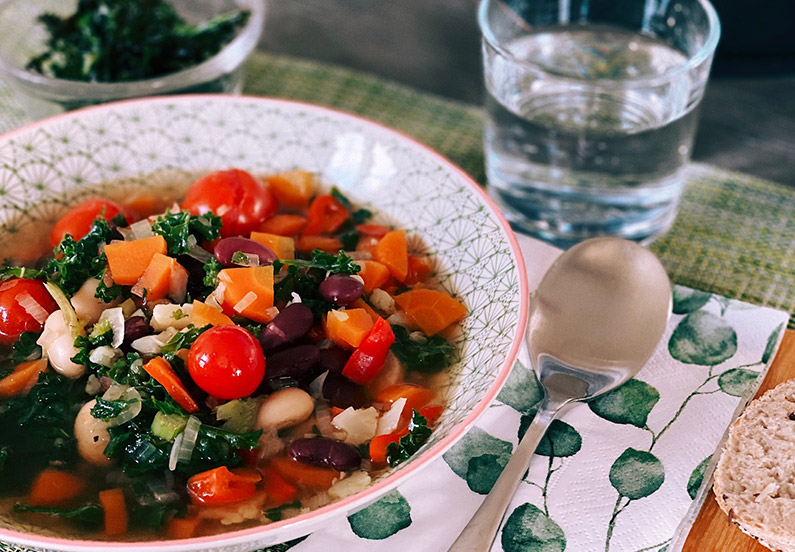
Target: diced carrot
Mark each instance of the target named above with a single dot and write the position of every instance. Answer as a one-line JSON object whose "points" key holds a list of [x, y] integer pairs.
{"points": [[203, 314], [431, 413], [325, 215], [247, 474], [431, 310], [24, 376], [376, 230], [303, 475], [182, 528], [157, 279], [128, 260], [361, 304], [379, 444], [416, 396], [393, 252], [284, 225], [221, 486], [292, 188], [112, 501], [55, 488], [307, 244], [283, 246], [248, 291], [347, 328], [163, 374], [277, 489], [419, 268], [374, 274]]}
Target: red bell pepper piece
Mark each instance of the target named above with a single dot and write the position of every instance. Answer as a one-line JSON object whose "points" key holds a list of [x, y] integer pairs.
{"points": [[367, 360], [325, 215]]}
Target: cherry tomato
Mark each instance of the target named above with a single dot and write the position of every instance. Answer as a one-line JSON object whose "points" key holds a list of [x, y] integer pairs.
{"points": [[227, 362], [79, 219], [242, 202], [221, 486], [16, 318]]}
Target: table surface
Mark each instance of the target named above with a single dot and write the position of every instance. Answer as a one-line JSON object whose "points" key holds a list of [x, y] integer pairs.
{"points": [[747, 124]]}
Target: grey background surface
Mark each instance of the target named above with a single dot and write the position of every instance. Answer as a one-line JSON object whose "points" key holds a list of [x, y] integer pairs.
{"points": [[747, 116]]}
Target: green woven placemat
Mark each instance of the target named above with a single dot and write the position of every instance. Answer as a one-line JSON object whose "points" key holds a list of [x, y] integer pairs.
{"points": [[735, 234]]}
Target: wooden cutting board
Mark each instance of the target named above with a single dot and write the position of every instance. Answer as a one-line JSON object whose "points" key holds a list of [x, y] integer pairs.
{"points": [[712, 532]]}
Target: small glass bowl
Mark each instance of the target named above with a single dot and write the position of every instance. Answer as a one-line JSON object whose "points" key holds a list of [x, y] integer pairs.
{"points": [[22, 37]]}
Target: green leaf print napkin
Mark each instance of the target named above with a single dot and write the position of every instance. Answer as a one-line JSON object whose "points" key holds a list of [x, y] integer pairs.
{"points": [[618, 474]]}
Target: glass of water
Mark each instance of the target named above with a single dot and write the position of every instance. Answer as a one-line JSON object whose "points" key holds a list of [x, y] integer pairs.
{"points": [[592, 107]]}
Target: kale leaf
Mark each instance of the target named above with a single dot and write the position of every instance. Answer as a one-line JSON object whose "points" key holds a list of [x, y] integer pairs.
{"points": [[128, 40], [107, 409], [211, 269], [26, 348], [37, 428], [76, 261], [177, 228], [339, 264], [411, 442], [8, 271], [428, 357], [182, 340]]}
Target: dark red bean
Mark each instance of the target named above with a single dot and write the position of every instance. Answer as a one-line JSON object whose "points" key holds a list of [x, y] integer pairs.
{"points": [[291, 324], [136, 327], [326, 453], [333, 359], [341, 289], [226, 248], [341, 392], [296, 362]]}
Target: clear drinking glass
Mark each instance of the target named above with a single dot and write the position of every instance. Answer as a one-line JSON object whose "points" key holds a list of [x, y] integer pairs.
{"points": [[592, 110]]}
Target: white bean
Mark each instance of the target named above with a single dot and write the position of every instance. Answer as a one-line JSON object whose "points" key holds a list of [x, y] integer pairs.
{"points": [[87, 307], [92, 436], [285, 408], [58, 346]]}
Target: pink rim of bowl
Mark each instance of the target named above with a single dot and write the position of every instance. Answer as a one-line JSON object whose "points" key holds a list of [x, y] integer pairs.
{"points": [[362, 498]]}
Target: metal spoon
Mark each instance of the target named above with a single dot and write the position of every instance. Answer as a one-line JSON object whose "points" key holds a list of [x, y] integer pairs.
{"points": [[595, 320]]}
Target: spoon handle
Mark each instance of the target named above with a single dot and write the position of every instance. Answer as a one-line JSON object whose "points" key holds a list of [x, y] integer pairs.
{"points": [[479, 533]]}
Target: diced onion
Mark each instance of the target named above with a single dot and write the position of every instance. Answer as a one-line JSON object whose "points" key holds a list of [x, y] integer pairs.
{"points": [[323, 419], [316, 387], [272, 312], [167, 315], [32, 307], [141, 229], [389, 420], [122, 392], [196, 251], [151, 344], [190, 435], [359, 424], [245, 302], [104, 356], [68, 312], [93, 386], [354, 483], [295, 297], [115, 318], [175, 448]]}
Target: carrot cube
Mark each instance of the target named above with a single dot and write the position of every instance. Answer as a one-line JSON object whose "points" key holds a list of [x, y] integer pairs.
{"points": [[128, 260], [348, 328], [283, 246], [292, 188]]}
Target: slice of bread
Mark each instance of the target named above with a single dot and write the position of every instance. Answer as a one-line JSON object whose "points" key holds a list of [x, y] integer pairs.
{"points": [[755, 477]]}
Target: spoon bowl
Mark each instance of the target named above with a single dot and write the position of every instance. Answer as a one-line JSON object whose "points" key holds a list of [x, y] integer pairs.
{"points": [[596, 318]]}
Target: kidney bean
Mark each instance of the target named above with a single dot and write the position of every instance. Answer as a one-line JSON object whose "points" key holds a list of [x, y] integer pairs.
{"points": [[136, 327], [292, 323], [333, 359], [341, 289], [326, 453], [296, 362], [341, 392], [227, 247]]}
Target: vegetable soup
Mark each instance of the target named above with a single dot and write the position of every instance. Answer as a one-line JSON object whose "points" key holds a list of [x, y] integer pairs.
{"points": [[256, 351]]}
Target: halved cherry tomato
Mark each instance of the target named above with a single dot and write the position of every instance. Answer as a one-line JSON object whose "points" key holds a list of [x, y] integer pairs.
{"points": [[325, 216], [227, 362], [242, 201], [24, 307], [220, 486], [77, 222]]}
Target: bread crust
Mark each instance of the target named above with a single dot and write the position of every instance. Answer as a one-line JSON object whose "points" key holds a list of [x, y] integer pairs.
{"points": [[754, 481]]}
